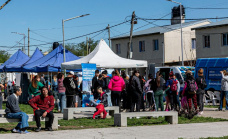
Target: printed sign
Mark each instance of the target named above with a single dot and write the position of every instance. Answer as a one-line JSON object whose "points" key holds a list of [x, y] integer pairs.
{"points": [[88, 72]]}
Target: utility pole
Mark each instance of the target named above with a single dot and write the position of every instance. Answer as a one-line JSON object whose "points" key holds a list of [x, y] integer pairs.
{"points": [[87, 47], [108, 27], [129, 44], [28, 41]]}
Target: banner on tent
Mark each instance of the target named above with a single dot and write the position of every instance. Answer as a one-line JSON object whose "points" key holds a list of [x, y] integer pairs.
{"points": [[88, 72]]}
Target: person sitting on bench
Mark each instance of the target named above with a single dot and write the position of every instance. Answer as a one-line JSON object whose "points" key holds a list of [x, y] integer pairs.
{"points": [[44, 108], [13, 111]]}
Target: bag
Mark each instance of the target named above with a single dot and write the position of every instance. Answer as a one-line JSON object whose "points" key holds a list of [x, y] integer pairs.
{"points": [[174, 85], [191, 85], [203, 83]]}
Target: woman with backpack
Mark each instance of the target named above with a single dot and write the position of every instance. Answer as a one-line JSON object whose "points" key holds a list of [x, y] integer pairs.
{"points": [[201, 83], [189, 91], [224, 88], [136, 91], [172, 84]]}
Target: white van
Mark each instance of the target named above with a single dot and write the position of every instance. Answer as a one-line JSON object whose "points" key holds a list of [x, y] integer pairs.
{"points": [[179, 72]]}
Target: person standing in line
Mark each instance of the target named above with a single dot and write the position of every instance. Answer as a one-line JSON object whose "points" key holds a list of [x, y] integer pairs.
{"points": [[159, 92], [172, 84], [136, 91], [44, 108], [35, 86], [1, 98], [42, 80], [70, 86], [201, 83], [105, 88], [124, 93], [76, 96], [61, 92], [189, 91], [55, 83], [149, 92], [13, 111], [116, 85], [94, 82], [224, 89]]}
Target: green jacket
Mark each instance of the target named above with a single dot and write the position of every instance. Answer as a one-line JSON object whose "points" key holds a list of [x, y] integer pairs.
{"points": [[34, 91]]}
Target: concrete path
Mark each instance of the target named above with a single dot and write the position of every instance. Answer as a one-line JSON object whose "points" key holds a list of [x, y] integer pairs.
{"points": [[143, 132]]}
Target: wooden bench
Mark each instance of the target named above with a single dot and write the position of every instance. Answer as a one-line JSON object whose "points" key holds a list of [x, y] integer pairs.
{"points": [[69, 112], [3, 119], [120, 119]]}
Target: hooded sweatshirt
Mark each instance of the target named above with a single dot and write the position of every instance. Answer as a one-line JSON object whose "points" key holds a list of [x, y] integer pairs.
{"points": [[116, 84]]}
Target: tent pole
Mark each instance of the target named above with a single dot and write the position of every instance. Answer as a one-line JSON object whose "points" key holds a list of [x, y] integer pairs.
{"points": [[51, 81]]}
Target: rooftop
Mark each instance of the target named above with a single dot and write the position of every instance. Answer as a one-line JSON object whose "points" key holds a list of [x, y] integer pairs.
{"points": [[213, 24], [161, 29]]}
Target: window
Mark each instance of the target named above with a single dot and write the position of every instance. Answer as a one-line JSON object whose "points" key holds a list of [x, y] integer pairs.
{"points": [[141, 46], [207, 41], [130, 47], [156, 47], [194, 43], [225, 39], [118, 50]]}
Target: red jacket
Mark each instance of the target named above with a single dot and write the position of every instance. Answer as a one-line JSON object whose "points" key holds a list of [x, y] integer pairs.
{"points": [[46, 104], [116, 84]]}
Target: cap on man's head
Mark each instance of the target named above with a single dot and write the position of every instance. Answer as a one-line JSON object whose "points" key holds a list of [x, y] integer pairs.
{"points": [[71, 72]]}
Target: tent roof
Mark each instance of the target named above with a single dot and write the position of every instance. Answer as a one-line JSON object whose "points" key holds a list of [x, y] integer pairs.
{"points": [[104, 57], [16, 60], [17, 66], [51, 62]]}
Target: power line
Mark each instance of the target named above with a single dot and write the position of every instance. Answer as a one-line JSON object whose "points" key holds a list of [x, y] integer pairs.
{"points": [[206, 8], [184, 19]]}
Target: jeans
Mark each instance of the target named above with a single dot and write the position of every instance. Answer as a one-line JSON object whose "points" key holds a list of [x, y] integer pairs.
{"points": [[178, 100], [173, 99], [39, 113], [116, 98], [124, 96], [19, 115], [222, 95], [109, 98], [151, 99], [159, 99], [62, 100], [200, 101]]}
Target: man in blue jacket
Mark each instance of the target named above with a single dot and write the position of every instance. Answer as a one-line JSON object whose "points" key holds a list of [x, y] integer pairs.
{"points": [[14, 112]]}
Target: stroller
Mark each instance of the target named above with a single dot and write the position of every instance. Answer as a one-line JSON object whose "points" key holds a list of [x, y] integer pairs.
{"points": [[185, 111]]}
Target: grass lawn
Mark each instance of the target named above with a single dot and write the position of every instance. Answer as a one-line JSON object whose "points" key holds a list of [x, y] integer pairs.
{"points": [[211, 106], [85, 123]]}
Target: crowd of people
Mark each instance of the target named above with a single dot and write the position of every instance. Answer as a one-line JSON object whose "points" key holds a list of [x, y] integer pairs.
{"points": [[128, 93]]}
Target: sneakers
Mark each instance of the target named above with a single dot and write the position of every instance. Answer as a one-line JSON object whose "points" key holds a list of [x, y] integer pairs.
{"points": [[24, 132], [49, 129], [15, 131], [38, 129]]}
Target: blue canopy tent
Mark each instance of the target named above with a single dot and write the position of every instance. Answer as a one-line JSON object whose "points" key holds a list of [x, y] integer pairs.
{"points": [[16, 60], [17, 66], [51, 62]]}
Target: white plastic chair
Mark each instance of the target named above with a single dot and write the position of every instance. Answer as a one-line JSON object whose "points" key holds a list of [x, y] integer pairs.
{"points": [[217, 96], [210, 99]]}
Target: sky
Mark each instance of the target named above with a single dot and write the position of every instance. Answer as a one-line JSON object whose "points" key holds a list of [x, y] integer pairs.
{"points": [[44, 18]]}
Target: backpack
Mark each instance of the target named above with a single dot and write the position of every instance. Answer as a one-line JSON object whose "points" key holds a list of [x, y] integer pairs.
{"points": [[153, 85], [173, 87], [191, 86]]}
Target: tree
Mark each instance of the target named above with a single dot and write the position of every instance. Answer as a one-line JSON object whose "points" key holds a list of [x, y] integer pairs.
{"points": [[4, 56], [80, 49]]}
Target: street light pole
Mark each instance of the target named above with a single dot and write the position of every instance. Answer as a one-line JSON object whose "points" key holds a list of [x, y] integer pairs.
{"points": [[64, 55], [182, 52]]}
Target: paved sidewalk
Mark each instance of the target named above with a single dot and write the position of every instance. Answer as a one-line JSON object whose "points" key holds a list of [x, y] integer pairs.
{"points": [[143, 132]]}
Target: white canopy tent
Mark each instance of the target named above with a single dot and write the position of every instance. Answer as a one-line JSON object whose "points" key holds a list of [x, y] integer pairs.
{"points": [[104, 57]]}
